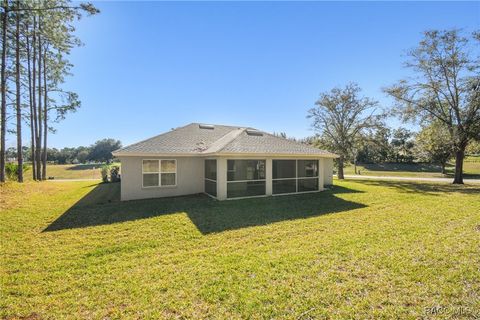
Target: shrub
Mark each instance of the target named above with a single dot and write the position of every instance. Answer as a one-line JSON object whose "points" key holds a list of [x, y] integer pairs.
{"points": [[110, 173], [11, 170], [104, 172], [114, 173]]}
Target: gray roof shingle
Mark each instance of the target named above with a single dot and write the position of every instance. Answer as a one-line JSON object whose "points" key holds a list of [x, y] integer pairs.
{"points": [[191, 139]]}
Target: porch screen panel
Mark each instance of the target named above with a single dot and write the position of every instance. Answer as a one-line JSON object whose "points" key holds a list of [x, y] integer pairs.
{"points": [[307, 171], [291, 176], [284, 176], [245, 178], [211, 177]]}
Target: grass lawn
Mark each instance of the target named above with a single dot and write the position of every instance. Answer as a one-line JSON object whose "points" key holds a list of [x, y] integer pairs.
{"points": [[365, 249], [70, 171], [471, 169]]}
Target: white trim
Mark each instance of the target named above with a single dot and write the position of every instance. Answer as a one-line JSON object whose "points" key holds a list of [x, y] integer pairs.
{"points": [[247, 180], [216, 154], [213, 197], [276, 195], [249, 197], [294, 193], [211, 180], [160, 174]]}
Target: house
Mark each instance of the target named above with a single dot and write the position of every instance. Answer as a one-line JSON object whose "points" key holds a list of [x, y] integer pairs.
{"points": [[225, 162]]}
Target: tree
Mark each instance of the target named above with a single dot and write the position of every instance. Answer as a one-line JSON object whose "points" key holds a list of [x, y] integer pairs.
{"points": [[340, 117], [402, 143], [3, 84], [101, 151], [375, 146], [432, 144], [445, 87], [41, 35], [18, 96], [473, 148]]}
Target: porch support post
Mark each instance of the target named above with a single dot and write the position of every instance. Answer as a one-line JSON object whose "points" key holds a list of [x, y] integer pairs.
{"points": [[321, 173], [268, 176], [221, 178]]}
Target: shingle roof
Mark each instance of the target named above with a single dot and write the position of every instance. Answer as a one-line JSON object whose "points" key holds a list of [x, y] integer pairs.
{"points": [[194, 140]]}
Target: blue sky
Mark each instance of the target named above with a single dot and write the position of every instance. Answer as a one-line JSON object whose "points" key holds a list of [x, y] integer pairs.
{"points": [[149, 66]]}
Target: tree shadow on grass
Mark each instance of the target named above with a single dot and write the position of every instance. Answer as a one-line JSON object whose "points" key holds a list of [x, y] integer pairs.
{"points": [[102, 206], [423, 188], [85, 166], [417, 168], [409, 167]]}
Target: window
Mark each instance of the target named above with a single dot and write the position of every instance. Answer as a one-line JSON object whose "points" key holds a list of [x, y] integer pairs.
{"points": [[158, 173], [290, 176], [211, 177], [245, 178]]}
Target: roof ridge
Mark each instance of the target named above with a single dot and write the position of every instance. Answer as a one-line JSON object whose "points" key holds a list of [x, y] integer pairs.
{"points": [[280, 138], [232, 135]]}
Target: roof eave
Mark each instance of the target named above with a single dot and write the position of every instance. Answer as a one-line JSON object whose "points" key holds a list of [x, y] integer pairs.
{"points": [[232, 154]]}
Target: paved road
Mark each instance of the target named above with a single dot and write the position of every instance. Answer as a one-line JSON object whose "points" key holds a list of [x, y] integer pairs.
{"points": [[69, 180], [446, 180]]}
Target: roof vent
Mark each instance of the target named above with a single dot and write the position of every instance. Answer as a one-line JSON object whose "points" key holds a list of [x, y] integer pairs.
{"points": [[253, 132], [206, 126]]}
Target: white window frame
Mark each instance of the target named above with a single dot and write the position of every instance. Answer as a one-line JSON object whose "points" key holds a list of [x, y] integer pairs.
{"points": [[159, 173], [296, 178]]}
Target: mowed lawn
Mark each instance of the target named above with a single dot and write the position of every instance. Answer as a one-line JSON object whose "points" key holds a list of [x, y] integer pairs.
{"points": [[365, 249], [69, 171], [471, 169]]}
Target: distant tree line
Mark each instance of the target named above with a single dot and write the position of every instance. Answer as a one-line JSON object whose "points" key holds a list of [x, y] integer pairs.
{"points": [[99, 152]]}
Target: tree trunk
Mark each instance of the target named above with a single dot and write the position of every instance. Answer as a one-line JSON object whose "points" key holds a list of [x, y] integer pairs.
{"points": [[45, 117], [3, 109], [34, 101], [443, 164], [340, 168], [39, 137], [19, 105], [459, 155], [32, 124]]}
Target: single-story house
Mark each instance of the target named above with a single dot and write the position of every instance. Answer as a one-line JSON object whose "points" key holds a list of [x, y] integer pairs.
{"points": [[225, 162]]}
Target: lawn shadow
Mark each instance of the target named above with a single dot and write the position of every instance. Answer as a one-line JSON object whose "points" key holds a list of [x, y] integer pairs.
{"points": [[417, 168], [421, 187], [78, 167], [409, 167], [102, 206]]}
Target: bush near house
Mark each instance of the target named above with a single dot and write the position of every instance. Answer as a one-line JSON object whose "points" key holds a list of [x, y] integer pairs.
{"points": [[110, 173]]}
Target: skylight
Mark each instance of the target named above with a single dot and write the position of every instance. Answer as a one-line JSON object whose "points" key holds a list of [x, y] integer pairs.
{"points": [[253, 132], [206, 126]]}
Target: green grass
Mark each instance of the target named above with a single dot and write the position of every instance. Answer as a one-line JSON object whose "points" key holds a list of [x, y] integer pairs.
{"points": [[365, 249], [471, 169], [69, 171]]}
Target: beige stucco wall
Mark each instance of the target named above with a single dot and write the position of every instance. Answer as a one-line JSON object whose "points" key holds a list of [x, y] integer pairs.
{"points": [[327, 172], [190, 178]]}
